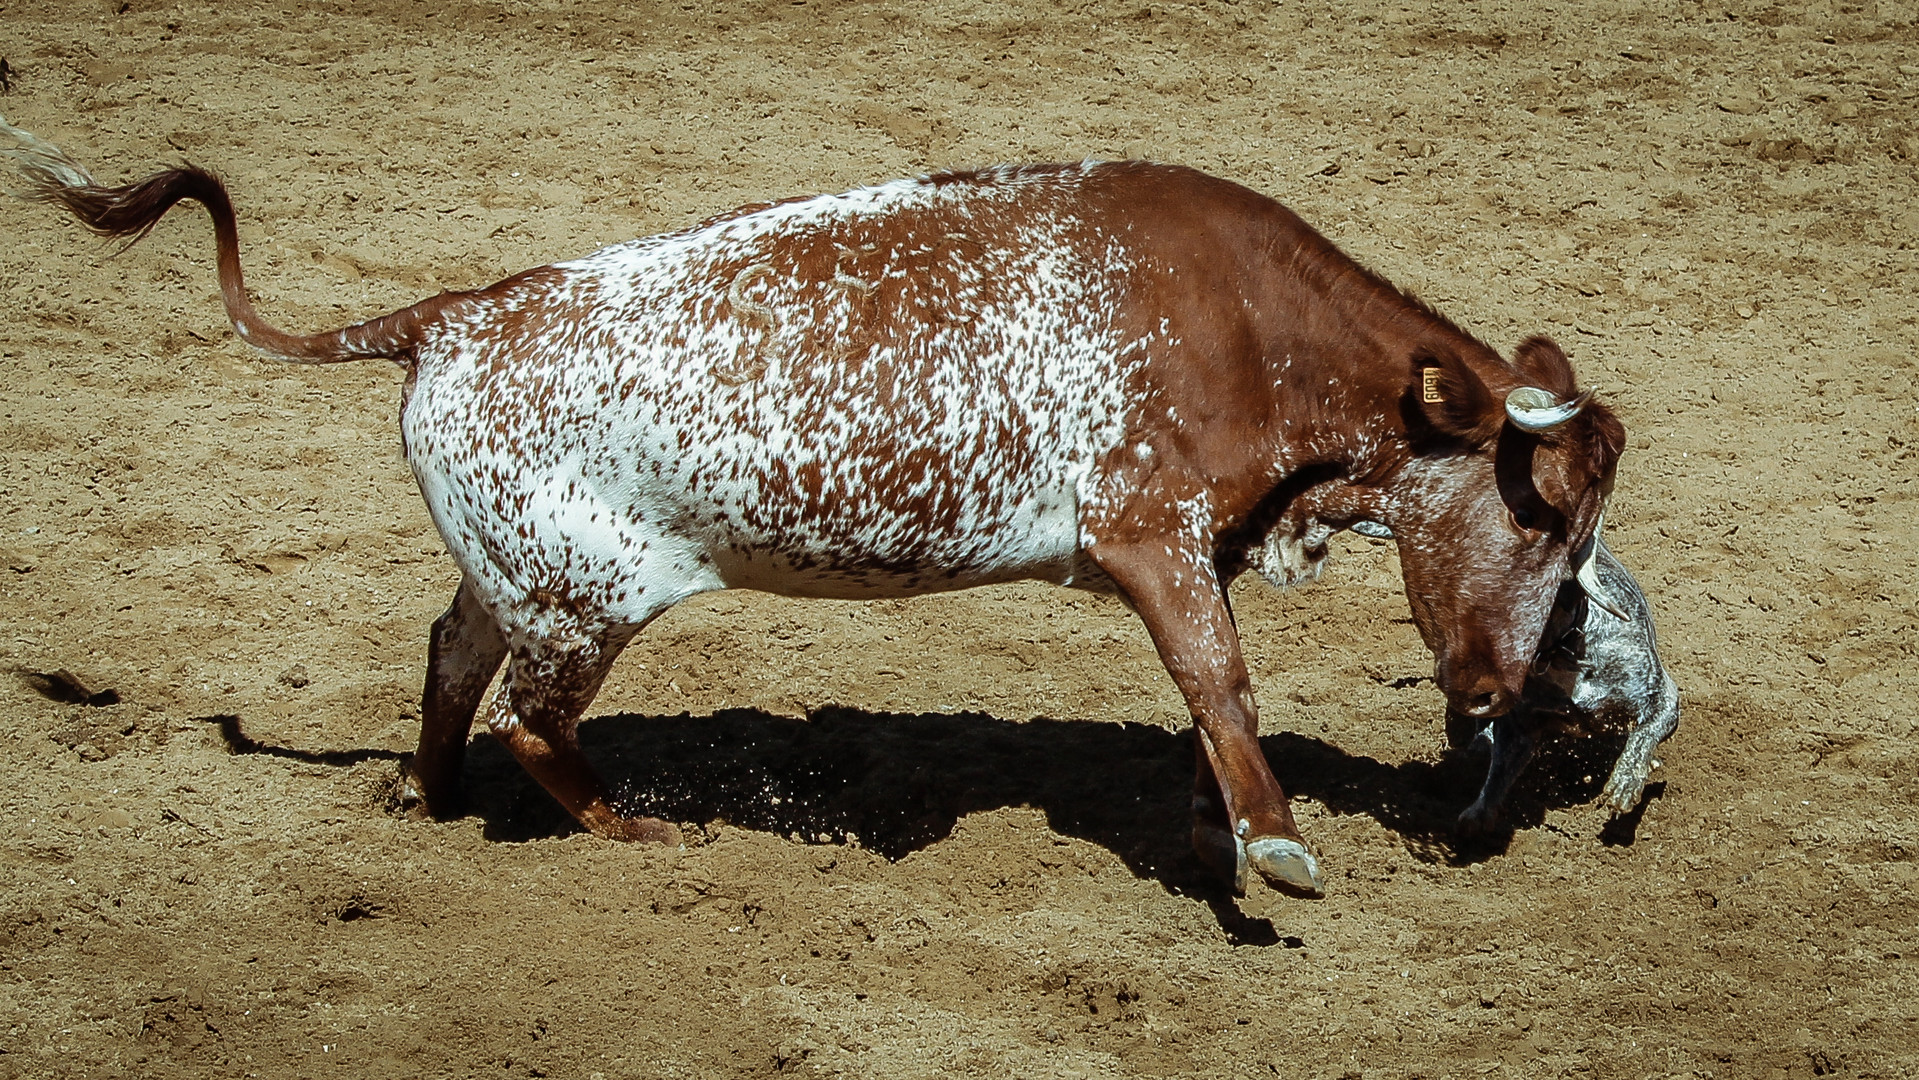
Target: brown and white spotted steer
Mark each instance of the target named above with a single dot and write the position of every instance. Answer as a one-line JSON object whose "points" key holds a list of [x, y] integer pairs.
{"points": [[1109, 375]]}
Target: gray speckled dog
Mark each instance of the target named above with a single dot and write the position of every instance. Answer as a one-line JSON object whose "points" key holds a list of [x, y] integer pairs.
{"points": [[1596, 672]]}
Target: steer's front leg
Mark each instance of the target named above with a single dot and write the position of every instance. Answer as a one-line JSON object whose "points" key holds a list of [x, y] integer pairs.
{"points": [[1179, 597]]}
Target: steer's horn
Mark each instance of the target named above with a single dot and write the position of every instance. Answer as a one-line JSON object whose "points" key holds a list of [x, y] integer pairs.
{"points": [[1587, 573], [1533, 409]]}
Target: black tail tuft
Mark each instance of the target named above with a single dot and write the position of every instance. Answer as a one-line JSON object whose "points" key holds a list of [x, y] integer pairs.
{"points": [[130, 211]]}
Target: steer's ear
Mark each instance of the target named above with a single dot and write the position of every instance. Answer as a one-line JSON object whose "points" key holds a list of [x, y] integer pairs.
{"points": [[1450, 400], [1542, 363]]}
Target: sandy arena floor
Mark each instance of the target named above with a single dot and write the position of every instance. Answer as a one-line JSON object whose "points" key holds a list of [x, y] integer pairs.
{"points": [[945, 837]]}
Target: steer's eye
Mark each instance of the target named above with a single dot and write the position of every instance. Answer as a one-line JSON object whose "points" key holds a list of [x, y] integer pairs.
{"points": [[1524, 520]]}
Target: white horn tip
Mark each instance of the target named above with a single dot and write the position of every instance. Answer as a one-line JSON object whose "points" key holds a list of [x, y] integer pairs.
{"points": [[1533, 409]]}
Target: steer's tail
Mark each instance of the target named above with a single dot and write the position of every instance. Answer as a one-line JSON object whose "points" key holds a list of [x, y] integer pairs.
{"points": [[132, 211]]}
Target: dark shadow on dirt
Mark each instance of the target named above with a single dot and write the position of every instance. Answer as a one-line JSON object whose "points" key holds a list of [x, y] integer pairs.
{"points": [[1421, 800], [239, 742], [900, 782], [1621, 831]]}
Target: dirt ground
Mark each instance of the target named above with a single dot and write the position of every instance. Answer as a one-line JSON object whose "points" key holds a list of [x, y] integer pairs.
{"points": [[945, 837]]}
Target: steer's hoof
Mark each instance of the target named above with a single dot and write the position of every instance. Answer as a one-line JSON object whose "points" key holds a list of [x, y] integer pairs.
{"points": [[648, 830], [1224, 853], [404, 796], [643, 830], [1287, 866], [407, 797]]}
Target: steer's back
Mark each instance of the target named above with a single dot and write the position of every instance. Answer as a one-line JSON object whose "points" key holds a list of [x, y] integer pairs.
{"points": [[897, 389]]}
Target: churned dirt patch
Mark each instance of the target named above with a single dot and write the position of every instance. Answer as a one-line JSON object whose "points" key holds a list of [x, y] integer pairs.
{"points": [[944, 837]]}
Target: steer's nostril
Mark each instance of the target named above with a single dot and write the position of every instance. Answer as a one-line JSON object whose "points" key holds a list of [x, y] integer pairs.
{"points": [[1484, 706]]}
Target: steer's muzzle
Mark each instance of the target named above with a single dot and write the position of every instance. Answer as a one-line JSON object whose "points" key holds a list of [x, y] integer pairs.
{"points": [[1481, 698]]}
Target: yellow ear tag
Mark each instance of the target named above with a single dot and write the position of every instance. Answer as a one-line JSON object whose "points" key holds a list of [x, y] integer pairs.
{"points": [[1429, 381]]}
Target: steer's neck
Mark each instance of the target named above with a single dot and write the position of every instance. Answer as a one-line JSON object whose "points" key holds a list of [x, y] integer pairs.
{"points": [[1345, 390]]}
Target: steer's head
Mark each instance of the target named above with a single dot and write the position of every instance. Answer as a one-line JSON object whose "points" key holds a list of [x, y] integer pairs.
{"points": [[1497, 507]]}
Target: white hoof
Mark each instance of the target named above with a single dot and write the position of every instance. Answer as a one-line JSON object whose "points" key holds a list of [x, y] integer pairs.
{"points": [[1286, 865]]}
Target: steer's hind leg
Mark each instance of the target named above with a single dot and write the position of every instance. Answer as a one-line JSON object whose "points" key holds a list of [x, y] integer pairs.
{"points": [[548, 686], [465, 650], [1180, 600]]}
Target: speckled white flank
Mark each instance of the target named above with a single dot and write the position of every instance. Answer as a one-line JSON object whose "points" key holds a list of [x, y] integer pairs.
{"points": [[601, 441]]}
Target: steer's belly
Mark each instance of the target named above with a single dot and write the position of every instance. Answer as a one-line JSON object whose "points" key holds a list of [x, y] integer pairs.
{"points": [[813, 551]]}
